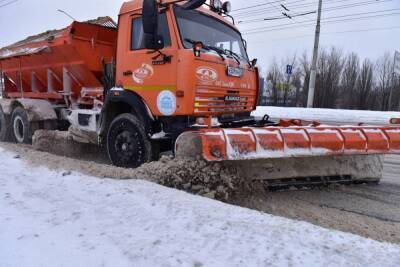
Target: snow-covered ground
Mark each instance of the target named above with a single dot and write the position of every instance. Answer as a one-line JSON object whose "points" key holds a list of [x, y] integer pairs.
{"points": [[55, 218], [329, 116]]}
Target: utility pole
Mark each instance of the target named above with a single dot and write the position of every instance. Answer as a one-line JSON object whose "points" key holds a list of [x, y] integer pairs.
{"points": [[313, 73]]}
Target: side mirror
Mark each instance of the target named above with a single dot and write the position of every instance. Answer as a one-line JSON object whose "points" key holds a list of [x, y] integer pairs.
{"points": [[155, 42], [254, 62], [150, 25]]}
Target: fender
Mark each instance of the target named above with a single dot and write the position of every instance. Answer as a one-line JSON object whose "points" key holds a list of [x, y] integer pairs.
{"points": [[131, 99], [37, 109], [6, 105]]}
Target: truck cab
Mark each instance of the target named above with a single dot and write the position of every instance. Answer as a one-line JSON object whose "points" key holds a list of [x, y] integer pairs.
{"points": [[200, 68]]}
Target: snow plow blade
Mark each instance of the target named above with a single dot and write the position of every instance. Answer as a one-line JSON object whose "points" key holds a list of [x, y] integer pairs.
{"points": [[295, 152], [283, 142]]}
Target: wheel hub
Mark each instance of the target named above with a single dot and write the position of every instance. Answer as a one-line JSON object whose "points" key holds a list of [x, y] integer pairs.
{"points": [[125, 146], [18, 126]]}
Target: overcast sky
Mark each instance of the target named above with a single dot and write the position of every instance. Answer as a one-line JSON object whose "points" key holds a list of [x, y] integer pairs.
{"points": [[369, 37]]}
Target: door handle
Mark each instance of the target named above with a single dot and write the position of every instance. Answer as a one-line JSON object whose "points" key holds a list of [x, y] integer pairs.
{"points": [[127, 73]]}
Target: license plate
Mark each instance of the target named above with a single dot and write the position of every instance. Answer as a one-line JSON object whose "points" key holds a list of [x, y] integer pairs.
{"points": [[235, 72], [232, 98]]}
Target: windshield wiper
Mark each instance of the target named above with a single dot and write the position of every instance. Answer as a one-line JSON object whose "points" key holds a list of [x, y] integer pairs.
{"points": [[190, 41], [234, 55], [238, 57], [219, 51]]}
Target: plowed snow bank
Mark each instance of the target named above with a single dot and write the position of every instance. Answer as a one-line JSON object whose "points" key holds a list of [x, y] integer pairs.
{"points": [[329, 116], [195, 176]]}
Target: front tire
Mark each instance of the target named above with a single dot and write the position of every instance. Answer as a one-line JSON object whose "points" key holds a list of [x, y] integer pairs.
{"points": [[127, 143], [21, 130]]}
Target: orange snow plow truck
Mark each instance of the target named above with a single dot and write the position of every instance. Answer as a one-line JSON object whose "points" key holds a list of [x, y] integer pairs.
{"points": [[172, 76]]}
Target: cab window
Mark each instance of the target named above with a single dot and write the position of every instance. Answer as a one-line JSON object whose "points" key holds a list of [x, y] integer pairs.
{"points": [[137, 41]]}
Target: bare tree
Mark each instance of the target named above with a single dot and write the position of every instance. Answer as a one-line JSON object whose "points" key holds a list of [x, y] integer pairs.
{"points": [[396, 92], [297, 83], [349, 80], [330, 66], [275, 77], [342, 82], [384, 70], [305, 69], [364, 87]]}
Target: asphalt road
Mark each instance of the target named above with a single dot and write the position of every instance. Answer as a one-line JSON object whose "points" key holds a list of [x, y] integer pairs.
{"points": [[370, 210], [392, 169]]}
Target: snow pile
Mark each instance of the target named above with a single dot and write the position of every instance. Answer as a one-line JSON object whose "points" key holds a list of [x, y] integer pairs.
{"points": [[53, 218], [23, 51], [208, 179], [213, 180], [329, 116]]}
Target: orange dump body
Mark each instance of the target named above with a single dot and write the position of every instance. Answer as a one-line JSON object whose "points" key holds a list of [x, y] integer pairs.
{"points": [[59, 64]]}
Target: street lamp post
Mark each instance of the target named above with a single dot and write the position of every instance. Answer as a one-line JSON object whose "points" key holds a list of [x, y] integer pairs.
{"points": [[313, 73]]}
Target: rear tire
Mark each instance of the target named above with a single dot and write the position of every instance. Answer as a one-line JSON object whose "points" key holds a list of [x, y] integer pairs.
{"points": [[127, 143], [21, 130], [4, 127]]}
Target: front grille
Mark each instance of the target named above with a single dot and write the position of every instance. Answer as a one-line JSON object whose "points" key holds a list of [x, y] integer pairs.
{"points": [[212, 100]]}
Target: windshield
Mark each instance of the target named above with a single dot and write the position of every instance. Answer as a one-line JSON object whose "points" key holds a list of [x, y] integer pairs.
{"points": [[195, 26]]}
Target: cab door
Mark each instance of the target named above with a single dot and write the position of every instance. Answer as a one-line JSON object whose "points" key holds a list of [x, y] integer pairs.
{"points": [[149, 73]]}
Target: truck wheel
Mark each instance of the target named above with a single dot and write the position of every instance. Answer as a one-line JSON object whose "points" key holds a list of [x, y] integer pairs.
{"points": [[4, 127], [127, 143], [21, 131]]}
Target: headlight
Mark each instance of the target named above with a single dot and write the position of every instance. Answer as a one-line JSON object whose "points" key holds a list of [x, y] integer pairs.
{"points": [[226, 7], [216, 5]]}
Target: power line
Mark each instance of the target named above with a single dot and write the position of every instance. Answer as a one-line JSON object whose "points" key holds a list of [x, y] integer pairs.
{"points": [[258, 5], [333, 19], [276, 8], [365, 3], [277, 18], [325, 10], [310, 25], [9, 3], [263, 11], [287, 4], [328, 33]]}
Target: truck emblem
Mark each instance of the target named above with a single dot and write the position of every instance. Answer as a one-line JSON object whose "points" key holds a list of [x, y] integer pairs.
{"points": [[142, 73], [206, 74], [166, 103]]}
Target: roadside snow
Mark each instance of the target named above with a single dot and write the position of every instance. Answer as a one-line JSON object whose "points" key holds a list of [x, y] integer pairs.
{"points": [[50, 218], [329, 116]]}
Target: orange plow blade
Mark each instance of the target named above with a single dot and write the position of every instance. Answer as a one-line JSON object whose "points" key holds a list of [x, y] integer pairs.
{"points": [[283, 142], [304, 154]]}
